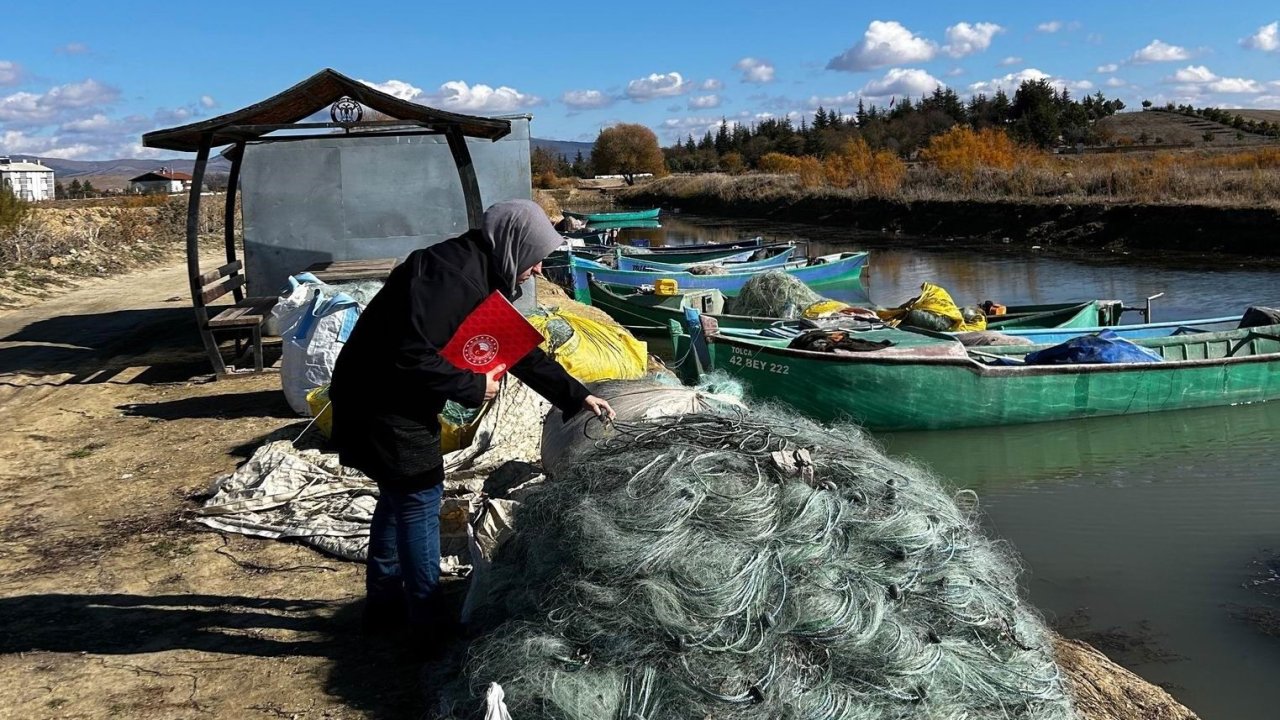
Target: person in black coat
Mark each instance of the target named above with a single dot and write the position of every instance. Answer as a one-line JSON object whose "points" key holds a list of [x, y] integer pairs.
{"points": [[390, 384]]}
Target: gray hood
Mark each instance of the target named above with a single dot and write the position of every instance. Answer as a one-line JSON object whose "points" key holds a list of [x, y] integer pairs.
{"points": [[521, 236]]}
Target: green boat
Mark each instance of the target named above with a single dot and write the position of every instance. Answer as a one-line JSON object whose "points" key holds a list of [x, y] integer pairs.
{"points": [[928, 381], [651, 314], [612, 217]]}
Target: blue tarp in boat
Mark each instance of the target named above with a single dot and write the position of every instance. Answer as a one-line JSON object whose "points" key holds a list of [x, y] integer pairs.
{"points": [[1102, 347]]}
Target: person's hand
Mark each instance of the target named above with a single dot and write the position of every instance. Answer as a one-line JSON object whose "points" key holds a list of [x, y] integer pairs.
{"points": [[599, 407], [491, 382]]}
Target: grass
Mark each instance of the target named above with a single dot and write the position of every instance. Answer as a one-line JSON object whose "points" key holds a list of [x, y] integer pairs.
{"points": [[1239, 177]]}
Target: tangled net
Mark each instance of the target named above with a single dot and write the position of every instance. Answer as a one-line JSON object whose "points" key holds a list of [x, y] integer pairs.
{"points": [[773, 294], [708, 567]]}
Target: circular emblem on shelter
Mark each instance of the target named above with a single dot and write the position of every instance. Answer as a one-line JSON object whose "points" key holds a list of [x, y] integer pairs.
{"points": [[480, 350]]}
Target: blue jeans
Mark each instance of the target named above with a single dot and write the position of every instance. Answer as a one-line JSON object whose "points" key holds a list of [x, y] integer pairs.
{"points": [[403, 567]]}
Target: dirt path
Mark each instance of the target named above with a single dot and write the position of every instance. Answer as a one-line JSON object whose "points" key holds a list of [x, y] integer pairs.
{"points": [[112, 603]]}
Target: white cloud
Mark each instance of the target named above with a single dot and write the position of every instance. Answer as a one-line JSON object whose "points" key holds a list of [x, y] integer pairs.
{"points": [[457, 95], [74, 48], [884, 43], [397, 88], [1011, 60], [711, 85], [207, 102], [697, 126], [1108, 68], [11, 73], [658, 85], [964, 39], [1193, 79], [24, 108], [94, 123], [1158, 51], [1236, 85], [832, 101], [704, 102], [1009, 82], [955, 72], [1267, 39], [1052, 26], [901, 82], [1115, 82], [755, 70], [1268, 101], [1192, 74], [586, 99]]}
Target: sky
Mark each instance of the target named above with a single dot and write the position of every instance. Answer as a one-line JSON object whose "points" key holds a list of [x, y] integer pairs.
{"points": [[84, 81]]}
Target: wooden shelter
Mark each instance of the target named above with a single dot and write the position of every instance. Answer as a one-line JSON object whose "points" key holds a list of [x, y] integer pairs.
{"points": [[280, 118]]}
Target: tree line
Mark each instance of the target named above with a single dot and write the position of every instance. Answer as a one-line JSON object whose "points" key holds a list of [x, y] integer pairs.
{"points": [[1226, 117], [1038, 114]]}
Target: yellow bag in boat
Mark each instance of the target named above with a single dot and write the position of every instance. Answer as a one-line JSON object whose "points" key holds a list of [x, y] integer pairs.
{"points": [[934, 299], [452, 436], [822, 308], [590, 350]]}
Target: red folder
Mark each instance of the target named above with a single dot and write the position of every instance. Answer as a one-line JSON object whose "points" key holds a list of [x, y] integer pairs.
{"points": [[495, 333]]}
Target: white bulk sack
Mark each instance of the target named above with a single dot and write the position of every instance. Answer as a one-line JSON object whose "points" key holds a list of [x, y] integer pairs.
{"points": [[313, 327]]}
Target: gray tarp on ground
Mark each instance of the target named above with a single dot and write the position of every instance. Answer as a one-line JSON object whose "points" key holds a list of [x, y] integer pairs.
{"points": [[286, 492]]}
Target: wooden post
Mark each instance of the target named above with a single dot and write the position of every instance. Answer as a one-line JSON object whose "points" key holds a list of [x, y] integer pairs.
{"points": [[229, 213], [193, 255], [467, 174]]}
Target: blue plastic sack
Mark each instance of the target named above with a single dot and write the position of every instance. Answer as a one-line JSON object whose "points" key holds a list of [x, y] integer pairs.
{"points": [[1100, 348]]}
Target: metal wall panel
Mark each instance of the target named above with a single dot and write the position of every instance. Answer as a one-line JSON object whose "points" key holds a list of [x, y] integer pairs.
{"points": [[357, 198]]}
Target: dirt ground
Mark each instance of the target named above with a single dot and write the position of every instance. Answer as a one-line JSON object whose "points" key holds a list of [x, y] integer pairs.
{"points": [[113, 604]]}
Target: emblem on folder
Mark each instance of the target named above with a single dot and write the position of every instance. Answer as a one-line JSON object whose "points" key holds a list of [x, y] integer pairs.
{"points": [[480, 350]]}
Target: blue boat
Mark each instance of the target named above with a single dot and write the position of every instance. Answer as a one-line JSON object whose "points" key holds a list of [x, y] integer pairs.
{"points": [[742, 262], [844, 269]]}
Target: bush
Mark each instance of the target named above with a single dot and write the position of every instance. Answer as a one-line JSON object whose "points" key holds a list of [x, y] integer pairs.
{"points": [[856, 165], [811, 172], [963, 151], [776, 162], [733, 163], [12, 210]]}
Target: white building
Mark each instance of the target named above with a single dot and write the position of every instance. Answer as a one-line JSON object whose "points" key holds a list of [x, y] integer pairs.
{"points": [[164, 180], [28, 180]]}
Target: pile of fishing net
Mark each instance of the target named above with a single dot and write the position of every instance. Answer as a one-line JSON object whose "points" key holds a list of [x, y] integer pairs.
{"points": [[773, 294], [730, 565]]}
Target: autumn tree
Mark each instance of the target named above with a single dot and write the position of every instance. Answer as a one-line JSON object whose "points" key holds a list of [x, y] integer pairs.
{"points": [[628, 150]]}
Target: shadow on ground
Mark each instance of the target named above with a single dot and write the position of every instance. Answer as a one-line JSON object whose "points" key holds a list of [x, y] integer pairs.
{"points": [[255, 404], [97, 347], [368, 674]]}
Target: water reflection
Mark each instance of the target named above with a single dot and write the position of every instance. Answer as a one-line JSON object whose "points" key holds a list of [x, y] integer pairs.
{"points": [[999, 457], [895, 273], [1143, 521]]}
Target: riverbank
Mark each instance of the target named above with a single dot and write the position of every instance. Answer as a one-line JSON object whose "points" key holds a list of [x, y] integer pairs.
{"points": [[1063, 225]]}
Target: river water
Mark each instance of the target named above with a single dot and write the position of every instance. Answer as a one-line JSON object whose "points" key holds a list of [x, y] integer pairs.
{"points": [[1138, 533]]}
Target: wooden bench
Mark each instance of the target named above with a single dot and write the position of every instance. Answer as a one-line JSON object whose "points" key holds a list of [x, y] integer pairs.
{"points": [[246, 316]]}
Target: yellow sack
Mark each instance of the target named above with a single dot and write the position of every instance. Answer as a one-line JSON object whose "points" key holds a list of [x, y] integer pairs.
{"points": [[318, 404], [935, 300], [590, 350], [452, 436]]}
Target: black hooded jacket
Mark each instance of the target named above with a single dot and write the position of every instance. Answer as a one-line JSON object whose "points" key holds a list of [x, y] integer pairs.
{"points": [[390, 383]]}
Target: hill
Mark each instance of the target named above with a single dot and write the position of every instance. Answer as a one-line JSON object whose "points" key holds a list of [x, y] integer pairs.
{"points": [[1175, 129], [567, 148], [108, 174]]}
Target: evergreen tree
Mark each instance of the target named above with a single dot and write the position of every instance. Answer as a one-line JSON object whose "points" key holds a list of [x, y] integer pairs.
{"points": [[861, 115], [75, 191]]}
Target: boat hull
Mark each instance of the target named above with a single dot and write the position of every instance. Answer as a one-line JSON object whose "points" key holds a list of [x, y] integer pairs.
{"points": [[936, 393], [607, 217], [735, 263], [845, 272]]}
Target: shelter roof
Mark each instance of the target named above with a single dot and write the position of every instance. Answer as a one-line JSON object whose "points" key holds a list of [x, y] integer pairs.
{"points": [[305, 99]]}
